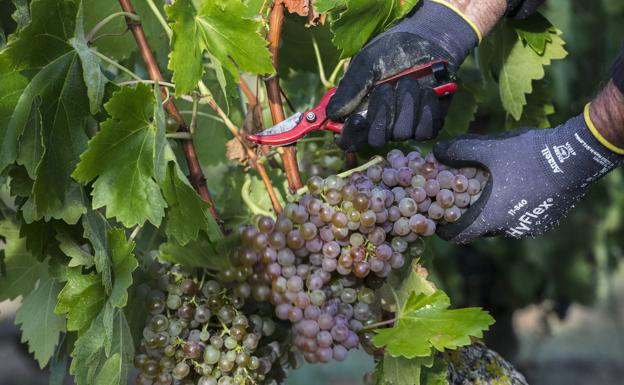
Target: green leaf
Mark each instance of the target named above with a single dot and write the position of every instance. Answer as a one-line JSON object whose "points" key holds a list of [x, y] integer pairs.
{"points": [[517, 65], [119, 45], [124, 263], [31, 146], [402, 371], [220, 28], [363, 19], [322, 6], [400, 285], [436, 374], [426, 323], [201, 253], [96, 229], [21, 15], [187, 213], [81, 298], [70, 212], [537, 110], [122, 157], [110, 373], [12, 83], [41, 327], [93, 76], [57, 92], [19, 269], [69, 247], [532, 31], [90, 363]]}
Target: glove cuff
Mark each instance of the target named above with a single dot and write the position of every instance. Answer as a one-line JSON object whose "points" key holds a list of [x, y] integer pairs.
{"points": [[575, 154], [618, 71], [444, 25]]}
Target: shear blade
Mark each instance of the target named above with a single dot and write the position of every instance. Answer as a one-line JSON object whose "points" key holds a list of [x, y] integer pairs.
{"points": [[282, 127]]}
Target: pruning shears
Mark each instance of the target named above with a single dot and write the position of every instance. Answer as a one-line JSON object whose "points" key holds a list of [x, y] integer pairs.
{"points": [[302, 123]]}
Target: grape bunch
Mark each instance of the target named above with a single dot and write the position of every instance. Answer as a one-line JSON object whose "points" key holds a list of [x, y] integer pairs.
{"points": [[206, 331], [323, 256]]}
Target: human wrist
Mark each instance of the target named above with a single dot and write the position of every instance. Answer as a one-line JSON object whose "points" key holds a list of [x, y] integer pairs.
{"points": [[484, 14], [605, 117]]}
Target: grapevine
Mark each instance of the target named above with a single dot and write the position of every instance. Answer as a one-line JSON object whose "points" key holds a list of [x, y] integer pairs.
{"points": [[318, 265], [154, 240]]}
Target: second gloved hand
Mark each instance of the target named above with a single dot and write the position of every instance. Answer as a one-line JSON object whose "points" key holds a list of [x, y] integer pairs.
{"points": [[536, 176], [409, 109]]}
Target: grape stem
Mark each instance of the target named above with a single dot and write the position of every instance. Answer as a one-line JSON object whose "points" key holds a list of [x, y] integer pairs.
{"points": [[377, 325], [376, 160], [197, 177]]}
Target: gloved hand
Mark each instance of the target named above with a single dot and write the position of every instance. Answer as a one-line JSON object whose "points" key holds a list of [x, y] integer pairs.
{"points": [[409, 109], [536, 176]]}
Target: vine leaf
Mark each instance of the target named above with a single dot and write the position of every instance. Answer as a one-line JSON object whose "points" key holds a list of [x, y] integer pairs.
{"points": [[364, 19], [41, 327], [537, 110], [124, 159], [400, 370], [72, 249], [93, 76], [532, 32], [114, 40], [81, 299], [516, 64], [91, 364], [323, 6], [220, 28], [187, 213], [12, 84], [201, 253], [56, 91], [20, 269], [96, 229], [425, 323], [124, 263]]}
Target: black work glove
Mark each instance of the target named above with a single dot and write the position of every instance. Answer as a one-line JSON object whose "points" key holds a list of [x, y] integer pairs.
{"points": [[536, 176], [409, 109], [520, 9]]}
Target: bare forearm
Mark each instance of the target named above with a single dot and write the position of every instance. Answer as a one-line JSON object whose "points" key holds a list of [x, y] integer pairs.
{"points": [[485, 14], [607, 114]]}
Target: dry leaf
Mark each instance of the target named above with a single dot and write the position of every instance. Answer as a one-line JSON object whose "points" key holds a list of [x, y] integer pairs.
{"points": [[234, 151], [253, 120], [300, 7]]}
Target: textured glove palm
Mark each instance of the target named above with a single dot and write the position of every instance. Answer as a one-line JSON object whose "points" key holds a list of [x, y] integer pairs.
{"points": [[409, 109], [536, 176]]}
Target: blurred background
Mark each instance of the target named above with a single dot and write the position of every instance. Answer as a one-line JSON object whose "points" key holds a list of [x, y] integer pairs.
{"points": [[558, 300]]}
